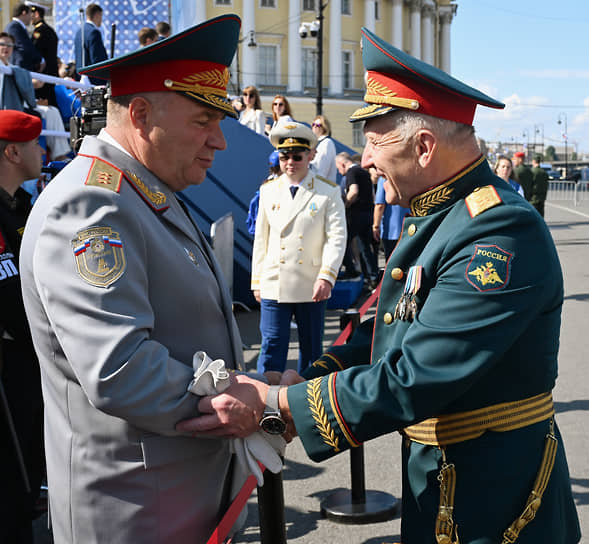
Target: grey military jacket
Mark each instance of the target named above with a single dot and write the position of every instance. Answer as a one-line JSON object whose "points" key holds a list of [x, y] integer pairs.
{"points": [[121, 290]]}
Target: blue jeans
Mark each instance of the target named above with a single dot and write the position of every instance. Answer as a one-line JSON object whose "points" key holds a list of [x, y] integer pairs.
{"points": [[275, 328]]}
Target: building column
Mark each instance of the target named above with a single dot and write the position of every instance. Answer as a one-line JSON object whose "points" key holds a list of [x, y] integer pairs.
{"points": [[201, 12], [295, 48], [248, 54], [335, 70], [427, 32], [446, 13], [397, 24], [415, 10], [369, 18]]}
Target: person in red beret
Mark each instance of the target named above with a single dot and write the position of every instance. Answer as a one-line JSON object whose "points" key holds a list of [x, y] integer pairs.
{"points": [[21, 403], [523, 174]]}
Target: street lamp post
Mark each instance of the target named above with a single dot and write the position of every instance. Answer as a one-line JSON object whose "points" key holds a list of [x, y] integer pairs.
{"points": [[252, 43], [315, 28], [526, 134], [539, 129], [562, 116]]}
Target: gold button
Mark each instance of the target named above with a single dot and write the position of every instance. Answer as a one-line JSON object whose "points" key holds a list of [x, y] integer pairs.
{"points": [[300, 236], [387, 318], [300, 249], [411, 230], [168, 83], [397, 274], [300, 262], [283, 248], [282, 261]]}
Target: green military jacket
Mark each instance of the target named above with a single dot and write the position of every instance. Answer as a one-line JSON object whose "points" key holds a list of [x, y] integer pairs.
{"points": [[484, 329], [523, 175], [539, 185]]}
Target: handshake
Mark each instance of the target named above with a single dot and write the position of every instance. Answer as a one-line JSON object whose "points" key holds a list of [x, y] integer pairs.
{"points": [[238, 410]]}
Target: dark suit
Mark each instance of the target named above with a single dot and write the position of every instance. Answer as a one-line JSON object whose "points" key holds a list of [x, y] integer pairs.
{"points": [[94, 50], [25, 54], [45, 40]]}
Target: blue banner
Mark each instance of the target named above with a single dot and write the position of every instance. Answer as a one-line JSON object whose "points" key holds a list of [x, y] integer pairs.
{"points": [[130, 16]]}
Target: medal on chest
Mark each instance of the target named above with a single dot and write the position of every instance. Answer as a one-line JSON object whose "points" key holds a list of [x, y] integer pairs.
{"points": [[406, 308]]}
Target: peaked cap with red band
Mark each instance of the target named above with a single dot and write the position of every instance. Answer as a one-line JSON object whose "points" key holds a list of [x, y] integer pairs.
{"points": [[16, 126], [194, 63], [396, 80]]}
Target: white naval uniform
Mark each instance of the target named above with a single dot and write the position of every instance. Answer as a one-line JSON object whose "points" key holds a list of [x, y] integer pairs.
{"points": [[298, 240]]}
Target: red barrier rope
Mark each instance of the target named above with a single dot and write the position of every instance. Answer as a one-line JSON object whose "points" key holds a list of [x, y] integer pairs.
{"points": [[220, 533], [345, 334]]}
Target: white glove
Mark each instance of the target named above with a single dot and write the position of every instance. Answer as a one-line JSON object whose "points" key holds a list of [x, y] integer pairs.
{"points": [[211, 377]]}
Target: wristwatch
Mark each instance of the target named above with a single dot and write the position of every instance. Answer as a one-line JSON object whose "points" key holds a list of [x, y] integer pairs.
{"points": [[272, 422]]}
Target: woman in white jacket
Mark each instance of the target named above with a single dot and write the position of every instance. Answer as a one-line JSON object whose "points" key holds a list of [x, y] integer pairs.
{"points": [[252, 116]]}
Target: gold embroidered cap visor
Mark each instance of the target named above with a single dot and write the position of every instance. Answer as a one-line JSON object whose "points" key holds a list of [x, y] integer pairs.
{"points": [[292, 136], [193, 63], [396, 80]]}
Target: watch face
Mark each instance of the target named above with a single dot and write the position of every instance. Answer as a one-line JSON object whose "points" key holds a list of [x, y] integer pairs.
{"points": [[273, 424]]}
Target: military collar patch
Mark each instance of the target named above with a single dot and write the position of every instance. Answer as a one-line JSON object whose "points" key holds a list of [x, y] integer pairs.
{"points": [[100, 256], [489, 268], [155, 199], [442, 195]]}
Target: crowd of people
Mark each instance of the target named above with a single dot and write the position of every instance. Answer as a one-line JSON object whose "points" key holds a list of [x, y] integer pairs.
{"points": [[110, 279]]}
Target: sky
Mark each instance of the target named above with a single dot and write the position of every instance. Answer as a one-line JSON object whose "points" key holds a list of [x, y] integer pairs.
{"points": [[533, 55]]}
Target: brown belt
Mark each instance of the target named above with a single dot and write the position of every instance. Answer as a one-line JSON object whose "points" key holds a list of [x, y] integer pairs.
{"points": [[507, 416]]}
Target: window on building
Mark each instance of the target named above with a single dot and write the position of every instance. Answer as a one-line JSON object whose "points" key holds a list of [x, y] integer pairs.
{"points": [[377, 10], [347, 66], [267, 65], [346, 7], [268, 3], [309, 67], [358, 139], [222, 2], [309, 5]]}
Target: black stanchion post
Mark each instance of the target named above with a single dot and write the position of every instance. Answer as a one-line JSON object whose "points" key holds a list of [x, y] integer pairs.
{"points": [[271, 510], [358, 506]]}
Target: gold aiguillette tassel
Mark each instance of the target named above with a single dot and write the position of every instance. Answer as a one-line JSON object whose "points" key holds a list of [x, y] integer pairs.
{"points": [[446, 530]]}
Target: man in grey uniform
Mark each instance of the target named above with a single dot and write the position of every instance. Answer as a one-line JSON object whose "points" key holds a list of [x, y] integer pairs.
{"points": [[121, 289]]}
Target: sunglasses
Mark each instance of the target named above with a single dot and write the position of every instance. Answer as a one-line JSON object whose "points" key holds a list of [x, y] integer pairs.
{"points": [[2, 44], [278, 104], [318, 125], [249, 94], [296, 158]]}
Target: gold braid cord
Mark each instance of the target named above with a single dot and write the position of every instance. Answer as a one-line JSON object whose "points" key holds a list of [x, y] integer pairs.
{"points": [[320, 415], [535, 497], [446, 530]]}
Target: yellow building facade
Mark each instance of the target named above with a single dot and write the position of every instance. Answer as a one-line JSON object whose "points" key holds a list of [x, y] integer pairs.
{"points": [[281, 47]]}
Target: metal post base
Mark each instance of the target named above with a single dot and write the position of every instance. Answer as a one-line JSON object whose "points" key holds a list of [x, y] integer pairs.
{"points": [[377, 506]]}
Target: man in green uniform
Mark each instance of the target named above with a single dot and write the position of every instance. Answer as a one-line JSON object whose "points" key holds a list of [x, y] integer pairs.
{"points": [[463, 348], [522, 174], [539, 185]]}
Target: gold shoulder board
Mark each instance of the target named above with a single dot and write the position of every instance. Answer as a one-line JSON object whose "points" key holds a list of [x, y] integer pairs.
{"points": [[324, 180], [481, 199], [104, 175]]}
